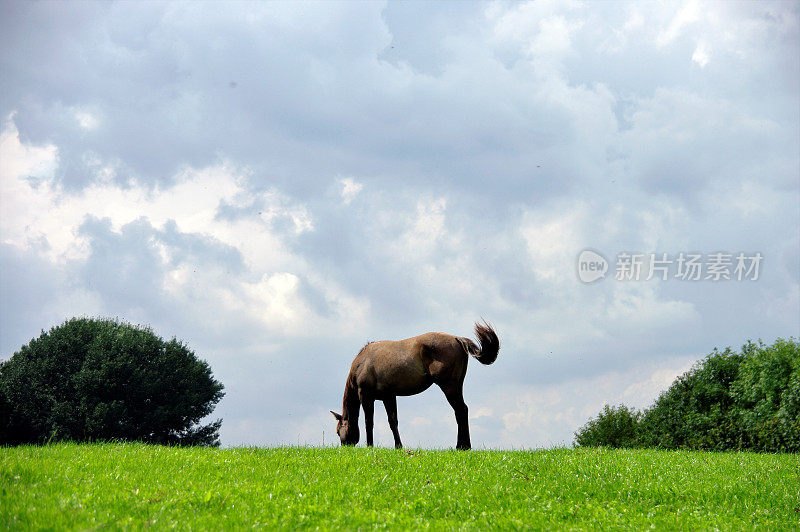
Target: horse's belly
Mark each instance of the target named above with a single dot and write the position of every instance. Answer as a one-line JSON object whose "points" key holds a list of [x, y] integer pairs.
{"points": [[408, 378], [413, 389]]}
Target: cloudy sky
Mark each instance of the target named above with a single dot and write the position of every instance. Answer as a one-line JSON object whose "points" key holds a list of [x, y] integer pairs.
{"points": [[277, 184]]}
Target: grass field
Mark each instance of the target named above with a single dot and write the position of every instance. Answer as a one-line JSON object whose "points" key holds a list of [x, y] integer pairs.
{"points": [[77, 487]]}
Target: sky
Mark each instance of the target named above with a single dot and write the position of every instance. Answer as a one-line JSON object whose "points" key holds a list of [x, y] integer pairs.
{"points": [[276, 184]]}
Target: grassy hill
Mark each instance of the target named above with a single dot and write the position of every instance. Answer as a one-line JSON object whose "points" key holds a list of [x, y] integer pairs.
{"points": [[137, 486]]}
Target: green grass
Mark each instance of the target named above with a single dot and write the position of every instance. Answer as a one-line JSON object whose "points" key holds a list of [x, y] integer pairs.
{"points": [[77, 487]]}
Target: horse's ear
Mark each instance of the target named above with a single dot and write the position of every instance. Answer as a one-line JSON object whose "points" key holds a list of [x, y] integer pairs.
{"points": [[337, 416]]}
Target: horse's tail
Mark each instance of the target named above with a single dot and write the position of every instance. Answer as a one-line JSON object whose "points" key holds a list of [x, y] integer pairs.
{"points": [[490, 344]]}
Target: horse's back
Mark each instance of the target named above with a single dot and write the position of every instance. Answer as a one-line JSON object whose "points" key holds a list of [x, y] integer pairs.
{"points": [[407, 367]]}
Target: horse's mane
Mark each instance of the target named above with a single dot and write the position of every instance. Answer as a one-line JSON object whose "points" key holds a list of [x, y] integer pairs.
{"points": [[351, 377]]}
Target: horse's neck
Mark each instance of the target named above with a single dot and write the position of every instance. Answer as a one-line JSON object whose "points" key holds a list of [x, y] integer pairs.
{"points": [[350, 403]]}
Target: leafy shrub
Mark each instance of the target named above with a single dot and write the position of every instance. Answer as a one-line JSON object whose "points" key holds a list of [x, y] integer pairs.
{"points": [[767, 393], [747, 400], [614, 427], [98, 379], [695, 412]]}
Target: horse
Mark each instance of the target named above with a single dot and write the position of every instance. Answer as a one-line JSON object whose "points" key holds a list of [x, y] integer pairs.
{"points": [[383, 370]]}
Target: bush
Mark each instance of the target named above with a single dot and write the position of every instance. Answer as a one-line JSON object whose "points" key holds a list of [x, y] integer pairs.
{"points": [[748, 400], [99, 379], [767, 393], [696, 411], [614, 427]]}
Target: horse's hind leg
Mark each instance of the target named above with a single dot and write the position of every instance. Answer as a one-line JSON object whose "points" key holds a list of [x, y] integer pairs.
{"points": [[391, 412], [455, 397]]}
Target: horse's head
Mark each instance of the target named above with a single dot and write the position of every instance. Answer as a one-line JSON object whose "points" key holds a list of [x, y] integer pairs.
{"points": [[348, 433]]}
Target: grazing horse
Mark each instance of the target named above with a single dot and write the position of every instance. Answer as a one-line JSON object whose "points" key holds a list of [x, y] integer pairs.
{"points": [[384, 370]]}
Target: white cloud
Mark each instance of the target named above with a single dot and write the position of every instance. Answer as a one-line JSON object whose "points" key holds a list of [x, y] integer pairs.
{"points": [[37, 210], [554, 239], [426, 230], [275, 298], [553, 37], [483, 411], [543, 31], [26, 179], [86, 120], [40, 208], [350, 189], [688, 13], [641, 394], [701, 54], [635, 21], [191, 200], [636, 306]]}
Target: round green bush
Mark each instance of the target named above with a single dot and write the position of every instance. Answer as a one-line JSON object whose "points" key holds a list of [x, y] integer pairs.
{"points": [[100, 379]]}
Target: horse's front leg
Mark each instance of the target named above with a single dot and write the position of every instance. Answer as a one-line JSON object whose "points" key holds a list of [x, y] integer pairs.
{"points": [[369, 409], [391, 412]]}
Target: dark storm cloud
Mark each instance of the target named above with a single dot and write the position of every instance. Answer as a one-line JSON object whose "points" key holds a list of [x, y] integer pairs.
{"points": [[159, 83]]}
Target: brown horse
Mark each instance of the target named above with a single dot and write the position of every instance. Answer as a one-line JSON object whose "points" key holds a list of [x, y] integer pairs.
{"points": [[384, 370]]}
